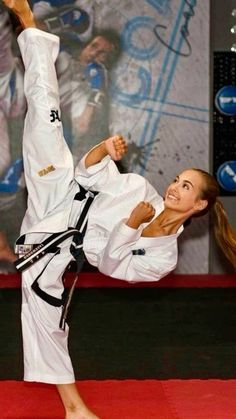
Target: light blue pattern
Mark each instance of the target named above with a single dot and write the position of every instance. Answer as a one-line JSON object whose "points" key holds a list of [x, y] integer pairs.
{"points": [[132, 26]]}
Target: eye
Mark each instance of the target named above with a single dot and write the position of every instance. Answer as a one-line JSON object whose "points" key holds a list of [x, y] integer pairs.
{"points": [[186, 186], [175, 180]]}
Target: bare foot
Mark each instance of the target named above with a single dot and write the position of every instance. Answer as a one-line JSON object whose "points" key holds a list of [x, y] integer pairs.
{"points": [[6, 253], [87, 414], [22, 10], [74, 406], [116, 147]]}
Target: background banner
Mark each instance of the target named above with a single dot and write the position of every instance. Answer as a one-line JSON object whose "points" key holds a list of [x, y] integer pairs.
{"points": [[135, 67]]}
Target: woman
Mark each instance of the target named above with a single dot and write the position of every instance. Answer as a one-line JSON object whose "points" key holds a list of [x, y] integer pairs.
{"points": [[135, 249], [123, 242]]}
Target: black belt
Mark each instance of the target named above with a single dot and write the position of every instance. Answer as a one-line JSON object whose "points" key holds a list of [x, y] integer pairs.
{"points": [[50, 245], [76, 250]]}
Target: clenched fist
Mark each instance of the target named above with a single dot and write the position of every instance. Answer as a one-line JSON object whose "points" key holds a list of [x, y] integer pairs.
{"points": [[142, 213]]}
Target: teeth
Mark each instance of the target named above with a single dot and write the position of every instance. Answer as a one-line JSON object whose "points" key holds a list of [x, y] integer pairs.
{"points": [[172, 197]]}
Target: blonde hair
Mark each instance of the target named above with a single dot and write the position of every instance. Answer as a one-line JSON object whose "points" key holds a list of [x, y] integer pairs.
{"points": [[224, 233]]}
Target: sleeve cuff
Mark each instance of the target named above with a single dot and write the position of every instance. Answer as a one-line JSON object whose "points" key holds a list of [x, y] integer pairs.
{"points": [[129, 232], [81, 169]]}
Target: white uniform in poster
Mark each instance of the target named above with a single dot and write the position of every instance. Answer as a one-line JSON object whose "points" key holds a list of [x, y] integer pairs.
{"points": [[52, 184]]}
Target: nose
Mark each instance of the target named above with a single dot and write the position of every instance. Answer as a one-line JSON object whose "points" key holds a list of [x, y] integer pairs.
{"points": [[174, 189]]}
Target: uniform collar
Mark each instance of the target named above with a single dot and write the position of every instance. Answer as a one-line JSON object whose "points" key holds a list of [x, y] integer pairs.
{"points": [[160, 240]]}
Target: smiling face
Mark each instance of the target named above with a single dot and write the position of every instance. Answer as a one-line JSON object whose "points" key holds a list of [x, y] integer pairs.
{"points": [[183, 195]]}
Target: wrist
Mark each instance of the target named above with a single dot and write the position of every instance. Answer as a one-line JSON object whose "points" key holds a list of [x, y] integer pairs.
{"points": [[95, 155], [102, 150], [133, 223]]}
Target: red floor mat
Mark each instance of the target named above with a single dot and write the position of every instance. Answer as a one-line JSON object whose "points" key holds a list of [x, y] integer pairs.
{"points": [[108, 399], [201, 399], [129, 399]]}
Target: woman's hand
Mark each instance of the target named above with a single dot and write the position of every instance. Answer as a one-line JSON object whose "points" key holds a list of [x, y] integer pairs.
{"points": [[142, 213], [116, 147]]}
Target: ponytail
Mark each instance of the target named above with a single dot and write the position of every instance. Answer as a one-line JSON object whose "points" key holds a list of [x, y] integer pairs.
{"points": [[224, 233]]}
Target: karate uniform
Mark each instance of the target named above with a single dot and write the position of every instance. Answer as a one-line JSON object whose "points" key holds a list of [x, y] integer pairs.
{"points": [[109, 242], [52, 185]]}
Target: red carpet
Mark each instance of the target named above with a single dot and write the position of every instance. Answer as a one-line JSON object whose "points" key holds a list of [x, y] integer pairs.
{"points": [[94, 279], [129, 399]]}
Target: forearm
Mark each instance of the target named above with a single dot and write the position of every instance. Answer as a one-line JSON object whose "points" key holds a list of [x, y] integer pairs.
{"points": [[116, 258], [95, 155], [133, 223], [118, 261]]}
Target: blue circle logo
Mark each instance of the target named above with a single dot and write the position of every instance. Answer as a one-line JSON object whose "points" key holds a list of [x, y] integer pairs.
{"points": [[225, 100], [226, 176]]}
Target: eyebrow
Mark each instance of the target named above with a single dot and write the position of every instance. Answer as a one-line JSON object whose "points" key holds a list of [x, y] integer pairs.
{"points": [[186, 181]]}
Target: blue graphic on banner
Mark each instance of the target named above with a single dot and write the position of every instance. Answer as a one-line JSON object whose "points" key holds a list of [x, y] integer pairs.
{"points": [[178, 45], [168, 56], [134, 25], [130, 99], [225, 100], [162, 6], [226, 176]]}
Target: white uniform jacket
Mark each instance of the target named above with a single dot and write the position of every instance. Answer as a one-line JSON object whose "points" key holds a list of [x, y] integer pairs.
{"points": [[109, 242]]}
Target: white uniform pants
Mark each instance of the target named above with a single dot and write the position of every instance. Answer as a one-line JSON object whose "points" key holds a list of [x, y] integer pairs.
{"points": [[46, 357]]}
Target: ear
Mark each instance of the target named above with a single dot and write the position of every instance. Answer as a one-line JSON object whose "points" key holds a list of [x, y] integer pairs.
{"points": [[201, 204]]}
